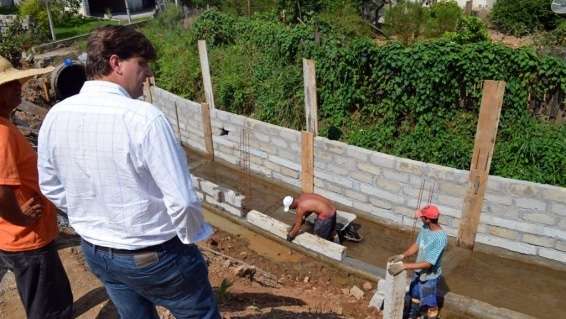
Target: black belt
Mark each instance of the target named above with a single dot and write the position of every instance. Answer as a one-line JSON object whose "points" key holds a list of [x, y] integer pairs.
{"points": [[156, 248]]}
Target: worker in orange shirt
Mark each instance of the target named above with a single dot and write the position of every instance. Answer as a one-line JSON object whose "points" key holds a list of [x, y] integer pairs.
{"points": [[28, 221]]}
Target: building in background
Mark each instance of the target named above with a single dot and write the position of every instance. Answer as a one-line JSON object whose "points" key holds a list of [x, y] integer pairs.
{"points": [[100, 7]]}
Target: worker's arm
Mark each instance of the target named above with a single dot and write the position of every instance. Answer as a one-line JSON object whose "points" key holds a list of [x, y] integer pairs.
{"points": [[10, 211], [413, 249], [299, 217], [423, 265]]}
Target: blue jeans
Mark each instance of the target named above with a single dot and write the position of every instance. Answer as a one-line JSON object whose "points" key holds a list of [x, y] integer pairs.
{"points": [[172, 275]]}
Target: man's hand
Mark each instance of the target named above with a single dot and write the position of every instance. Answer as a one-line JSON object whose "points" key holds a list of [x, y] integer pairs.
{"points": [[396, 268], [32, 210], [396, 258], [290, 238]]}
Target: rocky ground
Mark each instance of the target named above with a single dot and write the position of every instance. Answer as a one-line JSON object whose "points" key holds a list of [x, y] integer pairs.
{"points": [[248, 284]]}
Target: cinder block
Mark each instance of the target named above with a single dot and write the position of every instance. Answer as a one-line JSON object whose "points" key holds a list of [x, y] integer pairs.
{"points": [[530, 203], [380, 202], [363, 206], [396, 176], [560, 245], [233, 198], [224, 206], [289, 172], [387, 215], [383, 160], [357, 153], [284, 162], [334, 197], [343, 181], [557, 208], [522, 189], [362, 177], [306, 240], [369, 168], [507, 244], [552, 254], [557, 194], [447, 200], [538, 240], [286, 179], [356, 196], [498, 199], [411, 167], [388, 185], [541, 218], [210, 189], [279, 142], [391, 197], [503, 232]]}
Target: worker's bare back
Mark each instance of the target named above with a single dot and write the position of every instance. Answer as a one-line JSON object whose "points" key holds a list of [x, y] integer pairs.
{"points": [[316, 204]]}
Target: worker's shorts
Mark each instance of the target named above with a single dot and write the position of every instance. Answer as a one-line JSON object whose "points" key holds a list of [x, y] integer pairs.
{"points": [[425, 291], [325, 228]]}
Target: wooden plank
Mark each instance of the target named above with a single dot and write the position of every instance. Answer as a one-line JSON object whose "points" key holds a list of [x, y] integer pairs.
{"points": [[147, 93], [207, 131], [306, 240], [311, 104], [394, 294], [307, 161], [206, 78], [484, 145]]}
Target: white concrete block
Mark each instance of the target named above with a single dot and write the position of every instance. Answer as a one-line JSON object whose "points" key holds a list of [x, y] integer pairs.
{"points": [[552, 254], [210, 189], [507, 244]]}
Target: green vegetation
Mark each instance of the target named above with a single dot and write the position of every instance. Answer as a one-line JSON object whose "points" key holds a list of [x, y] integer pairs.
{"points": [[521, 17], [419, 101], [74, 26]]}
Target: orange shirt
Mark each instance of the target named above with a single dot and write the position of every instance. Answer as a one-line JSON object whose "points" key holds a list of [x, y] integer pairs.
{"points": [[18, 168]]}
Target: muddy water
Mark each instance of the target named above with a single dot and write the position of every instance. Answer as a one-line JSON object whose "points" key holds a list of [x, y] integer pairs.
{"points": [[532, 289]]}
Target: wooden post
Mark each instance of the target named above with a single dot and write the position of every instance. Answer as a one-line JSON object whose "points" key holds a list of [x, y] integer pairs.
{"points": [[207, 131], [205, 69], [50, 20], [149, 82], [311, 106], [468, 8], [394, 294], [484, 144], [307, 161]]}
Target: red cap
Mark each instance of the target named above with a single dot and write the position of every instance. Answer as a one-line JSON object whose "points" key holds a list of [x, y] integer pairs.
{"points": [[429, 211]]}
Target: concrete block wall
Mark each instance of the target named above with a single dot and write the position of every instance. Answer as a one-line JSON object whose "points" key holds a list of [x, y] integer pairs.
{"points": [[520, 216], [221, 197]]}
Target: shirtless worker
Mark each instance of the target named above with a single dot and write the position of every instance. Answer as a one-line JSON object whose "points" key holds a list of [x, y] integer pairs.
{"points": [[304, 205]]}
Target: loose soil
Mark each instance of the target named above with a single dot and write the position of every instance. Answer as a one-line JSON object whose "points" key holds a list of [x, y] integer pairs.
{"points": [[262, 279]]}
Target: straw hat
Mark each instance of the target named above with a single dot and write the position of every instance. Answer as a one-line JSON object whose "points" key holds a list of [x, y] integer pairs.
{"points": [[8, 73]]}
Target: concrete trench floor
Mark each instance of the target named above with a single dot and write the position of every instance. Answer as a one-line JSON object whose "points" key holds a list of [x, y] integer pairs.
{"points": [[505, 280]]}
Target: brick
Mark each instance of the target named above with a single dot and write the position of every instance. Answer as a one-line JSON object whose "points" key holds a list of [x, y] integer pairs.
{"points": [[540, 218], [507, 244], [557, 194], [392, 186], [529, 203], [383, 160], [452, 189], [356, 196], [370, 190], [284, 162], [522, 190], [279, 142], [364, 207], [560, 245], [369, 168], [552, 254], [362, 177], [380, 203], [357, 153], [411, 167], [343, 181], [557, 208], [289, 172], [538, 240], [394, 175], [335, 197], [503, 232], [498, 199], [451, 201]]}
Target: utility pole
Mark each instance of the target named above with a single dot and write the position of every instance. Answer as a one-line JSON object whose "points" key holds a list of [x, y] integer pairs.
{"points": [[128, 12], [51, 28]]}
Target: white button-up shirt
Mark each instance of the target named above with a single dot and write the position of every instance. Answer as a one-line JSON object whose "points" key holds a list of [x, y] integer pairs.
{"points": [[114, 165]]}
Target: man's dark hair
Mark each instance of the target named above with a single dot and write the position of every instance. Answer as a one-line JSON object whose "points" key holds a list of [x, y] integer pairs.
{"points": [[123, 41], [434, 221]]}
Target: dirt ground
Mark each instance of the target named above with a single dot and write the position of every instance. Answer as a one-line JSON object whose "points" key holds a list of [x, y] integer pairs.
{"points": [[248, 284]]}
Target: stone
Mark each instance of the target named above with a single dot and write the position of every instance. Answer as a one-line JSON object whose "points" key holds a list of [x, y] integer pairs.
{"points": [[542, 218], [367, 286], [245, 271], [503, 232], [356, 292], [538, 240], [306, 280], [345, 291]]}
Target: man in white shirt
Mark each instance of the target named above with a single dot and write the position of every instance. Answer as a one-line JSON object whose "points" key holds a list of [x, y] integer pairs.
{"points": [[113, 164]]}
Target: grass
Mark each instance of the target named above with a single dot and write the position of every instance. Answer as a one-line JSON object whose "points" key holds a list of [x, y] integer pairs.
{"points": [[78, 26]]}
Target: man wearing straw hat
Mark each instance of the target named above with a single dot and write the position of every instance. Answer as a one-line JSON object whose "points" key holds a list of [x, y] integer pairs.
{"points": [[28, 223]]}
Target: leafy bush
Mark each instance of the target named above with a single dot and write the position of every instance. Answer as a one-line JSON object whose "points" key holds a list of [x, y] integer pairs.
{"points": [[391, 98], [406, 20], [13, 41], [470, 30], [521, 17], [443, 16], [61, 12]]}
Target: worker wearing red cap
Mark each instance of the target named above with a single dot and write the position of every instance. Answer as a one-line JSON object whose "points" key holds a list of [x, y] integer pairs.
{"points": [[430, 245]]}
